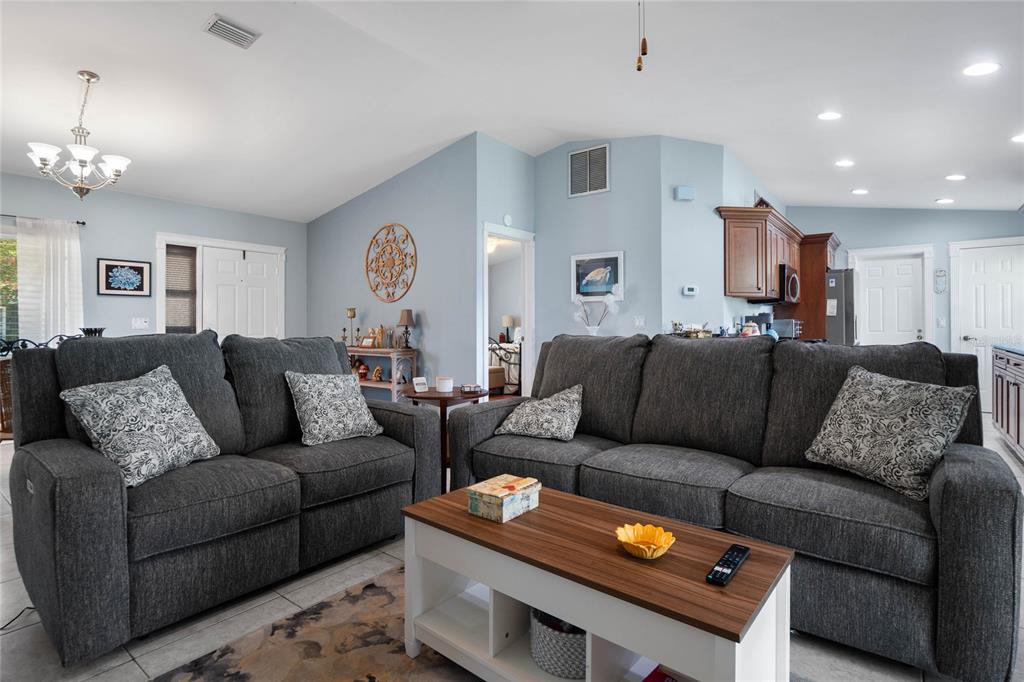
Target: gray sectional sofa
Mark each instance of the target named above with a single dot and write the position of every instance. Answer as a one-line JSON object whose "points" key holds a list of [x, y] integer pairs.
{"points": [[104, 563], [714, 432]]}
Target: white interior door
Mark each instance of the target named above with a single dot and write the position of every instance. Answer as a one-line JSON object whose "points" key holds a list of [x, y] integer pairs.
{"points": [[990, 300], [890, 298], [240, 292]]}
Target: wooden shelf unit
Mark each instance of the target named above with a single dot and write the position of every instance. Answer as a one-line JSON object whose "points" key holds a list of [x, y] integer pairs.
{"points": [[398, 359]]}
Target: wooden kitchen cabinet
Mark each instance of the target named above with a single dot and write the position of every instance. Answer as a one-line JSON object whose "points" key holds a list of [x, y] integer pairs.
{"points": [[1008, 395], [757, 241]]}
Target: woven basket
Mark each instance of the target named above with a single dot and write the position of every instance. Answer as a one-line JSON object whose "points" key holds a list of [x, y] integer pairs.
{"points": [[561, 654]]}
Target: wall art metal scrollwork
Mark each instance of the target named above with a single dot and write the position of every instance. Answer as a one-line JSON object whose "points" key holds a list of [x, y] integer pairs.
{"points": [[391, 262]]}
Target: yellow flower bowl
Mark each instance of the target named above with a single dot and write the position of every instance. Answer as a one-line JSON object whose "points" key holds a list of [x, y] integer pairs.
{"points": [[645, 541]]}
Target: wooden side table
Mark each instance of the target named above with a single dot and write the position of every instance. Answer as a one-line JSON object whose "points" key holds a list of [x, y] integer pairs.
{"points": [[443, 401]]}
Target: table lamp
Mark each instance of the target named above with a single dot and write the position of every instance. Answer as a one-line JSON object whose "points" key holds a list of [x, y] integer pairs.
{"points": [[405, 320], [506, 322]]}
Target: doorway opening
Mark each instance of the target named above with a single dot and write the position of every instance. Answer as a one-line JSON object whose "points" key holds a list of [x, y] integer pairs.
{"points": [[505, 324], [229, 287]]}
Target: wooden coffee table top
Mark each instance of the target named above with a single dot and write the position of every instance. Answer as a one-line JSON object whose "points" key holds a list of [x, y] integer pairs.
{"points": [[574, 537]]}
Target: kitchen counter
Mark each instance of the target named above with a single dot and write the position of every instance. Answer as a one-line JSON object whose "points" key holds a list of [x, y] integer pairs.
{"points": [[1019, 350]]}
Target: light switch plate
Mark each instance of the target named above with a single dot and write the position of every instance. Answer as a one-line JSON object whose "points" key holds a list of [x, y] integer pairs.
{"points": [[140, 323], [640, 321]]}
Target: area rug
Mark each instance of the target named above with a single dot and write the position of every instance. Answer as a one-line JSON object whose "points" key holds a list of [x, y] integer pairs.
{"points": [[357, 635]]}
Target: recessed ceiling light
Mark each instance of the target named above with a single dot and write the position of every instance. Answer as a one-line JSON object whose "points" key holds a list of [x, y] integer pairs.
{"points": [[844, 163], [1017, 138], [859, 191], [829, 116], [981, 69], [956, 177], [943, 201]]}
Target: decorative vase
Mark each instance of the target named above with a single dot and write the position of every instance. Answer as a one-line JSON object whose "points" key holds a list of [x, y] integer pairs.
{"points": [[93, 331], [593, 330]]}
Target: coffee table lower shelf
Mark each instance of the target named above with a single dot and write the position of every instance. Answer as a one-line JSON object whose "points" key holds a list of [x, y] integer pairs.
{"points": [[472, 605]]}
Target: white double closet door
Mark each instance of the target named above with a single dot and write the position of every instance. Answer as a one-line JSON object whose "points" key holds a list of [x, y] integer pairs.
{"points": [[240, 292]]}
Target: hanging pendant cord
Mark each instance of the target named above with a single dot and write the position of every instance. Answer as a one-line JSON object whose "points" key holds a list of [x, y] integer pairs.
{"points": [[85, 98]]}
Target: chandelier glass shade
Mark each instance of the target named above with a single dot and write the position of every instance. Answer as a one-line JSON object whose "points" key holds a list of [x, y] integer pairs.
{"points": [[77, 172]]}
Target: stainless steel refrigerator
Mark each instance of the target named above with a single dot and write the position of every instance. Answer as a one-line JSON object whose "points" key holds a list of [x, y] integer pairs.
{"points": [[840, 313]]}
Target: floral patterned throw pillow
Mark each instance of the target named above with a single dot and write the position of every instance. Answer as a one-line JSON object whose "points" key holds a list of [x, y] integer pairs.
{"points": [[144, 425], [889, 430], [553, 417], [330, 407]]}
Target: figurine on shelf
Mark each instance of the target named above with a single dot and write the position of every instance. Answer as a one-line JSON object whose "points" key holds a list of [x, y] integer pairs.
{"points": [[364, 371], [378, 373]]}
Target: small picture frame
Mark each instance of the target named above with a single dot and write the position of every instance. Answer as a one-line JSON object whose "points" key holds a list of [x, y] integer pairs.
{"points": [[368, 342], [122, 277], [419, 384], [597, 274]]}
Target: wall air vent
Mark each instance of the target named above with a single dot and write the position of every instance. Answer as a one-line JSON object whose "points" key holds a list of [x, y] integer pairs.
{"points": [[588, 171], [233, 33]]}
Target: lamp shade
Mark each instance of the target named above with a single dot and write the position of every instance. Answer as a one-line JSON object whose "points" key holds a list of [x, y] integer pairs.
{"points": [[508, 321], [405, 318]]}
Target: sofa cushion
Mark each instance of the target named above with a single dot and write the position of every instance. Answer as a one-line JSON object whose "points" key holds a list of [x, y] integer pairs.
{"points": [[206, 500], [610, 369], [257, 368], [195, 362], [807, 379], [144, 425], [680, 483], [555, 417], [708, 394], [554, 463], [837, 517], [343, 468]]}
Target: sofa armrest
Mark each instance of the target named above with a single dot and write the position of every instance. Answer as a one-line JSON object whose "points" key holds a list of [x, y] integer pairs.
{"points": [[70, 540], [419, 428], [976, 505], [468, 427]]}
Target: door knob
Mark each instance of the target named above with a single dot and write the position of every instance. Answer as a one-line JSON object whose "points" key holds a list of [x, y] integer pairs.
{"points": [[970, 338]]}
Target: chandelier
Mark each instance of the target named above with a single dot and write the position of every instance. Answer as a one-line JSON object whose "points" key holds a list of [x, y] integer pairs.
{"points": [[74, 173]]}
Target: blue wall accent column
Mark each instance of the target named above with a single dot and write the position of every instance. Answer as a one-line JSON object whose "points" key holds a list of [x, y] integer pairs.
{"points": [[436, 200], [864, 228], [124, 226], [626, 218]]}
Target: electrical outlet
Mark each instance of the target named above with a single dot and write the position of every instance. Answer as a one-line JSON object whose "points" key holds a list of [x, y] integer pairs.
{"points": [[140, 323], [942, 323], [640, 321]]}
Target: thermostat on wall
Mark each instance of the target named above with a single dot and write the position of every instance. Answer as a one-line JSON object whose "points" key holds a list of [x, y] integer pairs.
{"points": [[690, 290]]}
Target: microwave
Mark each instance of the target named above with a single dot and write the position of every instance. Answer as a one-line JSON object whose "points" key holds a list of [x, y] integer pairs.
{"points": [[789, 284]]}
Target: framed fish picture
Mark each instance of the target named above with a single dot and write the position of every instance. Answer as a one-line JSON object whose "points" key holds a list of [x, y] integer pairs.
{"points": [[122, 277], [598, 274]]}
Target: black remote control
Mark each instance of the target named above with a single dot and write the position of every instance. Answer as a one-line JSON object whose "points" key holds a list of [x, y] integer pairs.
{"points": [[722, 572]]}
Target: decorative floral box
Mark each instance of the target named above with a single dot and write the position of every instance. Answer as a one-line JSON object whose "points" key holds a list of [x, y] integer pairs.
{"points": [[504, 497]]}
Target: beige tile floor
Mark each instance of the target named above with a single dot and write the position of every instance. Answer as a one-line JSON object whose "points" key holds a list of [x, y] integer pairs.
{"points": [[27, 655]]}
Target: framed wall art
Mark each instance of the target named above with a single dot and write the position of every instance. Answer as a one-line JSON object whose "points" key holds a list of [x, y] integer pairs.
{"points": [[122, 277], [597, 274]]}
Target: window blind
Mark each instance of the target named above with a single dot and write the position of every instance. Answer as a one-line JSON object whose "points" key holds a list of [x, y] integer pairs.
{"points": [[181, 289]]}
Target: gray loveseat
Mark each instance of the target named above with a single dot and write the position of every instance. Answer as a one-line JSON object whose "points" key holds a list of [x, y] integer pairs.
{"points": [[104, 563], [713, 432]]}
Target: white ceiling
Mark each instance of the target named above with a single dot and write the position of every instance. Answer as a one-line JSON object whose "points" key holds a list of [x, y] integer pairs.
{"points": [[337, 97]]}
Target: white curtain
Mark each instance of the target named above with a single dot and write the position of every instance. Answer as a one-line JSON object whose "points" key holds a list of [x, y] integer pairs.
{"points": [[49, 279]]}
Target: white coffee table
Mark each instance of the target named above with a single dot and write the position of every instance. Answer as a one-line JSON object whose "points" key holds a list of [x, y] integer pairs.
{"points": [[470, 583]]}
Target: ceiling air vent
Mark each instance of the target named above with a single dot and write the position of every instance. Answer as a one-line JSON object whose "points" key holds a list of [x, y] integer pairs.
{"points": [[234, 34], [588, 171]]}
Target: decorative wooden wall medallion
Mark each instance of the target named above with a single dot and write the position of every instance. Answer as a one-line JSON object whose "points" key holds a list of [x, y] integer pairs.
{"points": [[391, 262]]}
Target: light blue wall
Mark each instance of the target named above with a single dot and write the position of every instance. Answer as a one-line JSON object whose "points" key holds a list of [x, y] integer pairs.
{"points": [[627, 218], [740, 187], [864, 228], [436, 200], [121, 225], [505, 288], [504, 183]]}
